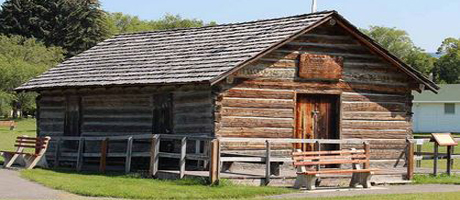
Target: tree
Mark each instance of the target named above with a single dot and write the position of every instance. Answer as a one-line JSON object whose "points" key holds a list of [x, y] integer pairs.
{"points": [[123, 23], [399, 43], [20, 60], [447, 68], [74, 25]]}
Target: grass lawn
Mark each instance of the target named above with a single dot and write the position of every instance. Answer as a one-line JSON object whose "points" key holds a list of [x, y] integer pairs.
{"points": [[7, 137], [125, 186], [440, 179]]}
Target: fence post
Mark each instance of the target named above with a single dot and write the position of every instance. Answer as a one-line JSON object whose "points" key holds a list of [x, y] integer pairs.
{"points": [[214, 170], [81, 146], [103, 160], [183, 152], [267, 162], [410, 160], [129, 153], [154, 151], [367, 151], [435, 160], [449, 160]]}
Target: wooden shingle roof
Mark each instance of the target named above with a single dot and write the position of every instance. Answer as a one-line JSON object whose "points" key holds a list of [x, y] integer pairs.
{"points": [[174, 56], [194, 55]]}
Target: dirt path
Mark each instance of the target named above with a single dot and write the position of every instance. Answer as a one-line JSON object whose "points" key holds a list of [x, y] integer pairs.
{"points": [[12, 186], [399, 189]]}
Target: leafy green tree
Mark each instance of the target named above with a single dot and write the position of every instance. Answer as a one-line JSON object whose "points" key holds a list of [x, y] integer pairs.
{"points": [[20, 60], [74, 25], [399, 43], [448, 65], [123, 23]]}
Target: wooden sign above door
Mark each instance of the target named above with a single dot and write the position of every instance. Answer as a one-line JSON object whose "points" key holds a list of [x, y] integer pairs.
{"points": [[312, 66]]}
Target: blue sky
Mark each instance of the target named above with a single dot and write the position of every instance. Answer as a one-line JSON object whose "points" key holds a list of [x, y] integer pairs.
{"points": [[428, 22]]}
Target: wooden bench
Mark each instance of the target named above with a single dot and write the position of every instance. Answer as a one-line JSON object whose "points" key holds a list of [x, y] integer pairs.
{"points": [[28, 160], [310, 164], [11, 124]]}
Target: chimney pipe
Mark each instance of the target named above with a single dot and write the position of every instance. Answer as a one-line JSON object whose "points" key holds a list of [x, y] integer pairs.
{"points": [[313, 6]]}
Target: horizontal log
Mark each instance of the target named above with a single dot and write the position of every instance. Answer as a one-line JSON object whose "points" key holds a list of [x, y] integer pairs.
{"points": [[116, 111], [273, 63], [258, 112], [346, 87], [259, 93], [371, 106], [264, 132], [373, 134], [266, 72], [257, 103], [373, 115], [257, 122], [369, 97], [187, 119], [379, 125]]}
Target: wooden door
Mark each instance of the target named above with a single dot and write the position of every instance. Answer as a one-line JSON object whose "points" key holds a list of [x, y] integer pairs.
{"points": [[317, 118]]}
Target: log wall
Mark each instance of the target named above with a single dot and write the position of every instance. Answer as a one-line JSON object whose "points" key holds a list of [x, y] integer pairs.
{"points": [[259, 100]]}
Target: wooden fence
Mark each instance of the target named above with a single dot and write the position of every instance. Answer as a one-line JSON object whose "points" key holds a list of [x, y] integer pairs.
{"points": [[154, 153], [210, 153]]}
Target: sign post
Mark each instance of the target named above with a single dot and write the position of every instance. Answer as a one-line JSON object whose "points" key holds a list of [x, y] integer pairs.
{"points": [[443, 139]]}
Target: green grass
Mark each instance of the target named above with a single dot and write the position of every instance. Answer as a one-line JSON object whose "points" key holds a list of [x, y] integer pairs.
{"points": [[7, 137], [440, 179], [132, 187]]}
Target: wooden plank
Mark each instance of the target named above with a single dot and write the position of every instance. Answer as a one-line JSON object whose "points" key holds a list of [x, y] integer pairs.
{"points": [[435, 160], [313, 163], [339, 152], [214, 162], [183, 152], [349, 171], [81, 146], [154, 158], [410, 161], [320, 66], [367, 152], [129, 151], [104, 151], [313, 157], [267, 162], [449, 160]]}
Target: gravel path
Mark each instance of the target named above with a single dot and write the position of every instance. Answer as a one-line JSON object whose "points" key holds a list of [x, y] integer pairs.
{"points": [[12, 186], [396, 189]]}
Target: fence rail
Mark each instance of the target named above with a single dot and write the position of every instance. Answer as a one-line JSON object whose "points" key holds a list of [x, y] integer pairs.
{"points": [[210, 154]]}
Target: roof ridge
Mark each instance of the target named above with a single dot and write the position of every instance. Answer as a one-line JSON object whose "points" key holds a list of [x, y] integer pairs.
{"points": [[228, 24]]}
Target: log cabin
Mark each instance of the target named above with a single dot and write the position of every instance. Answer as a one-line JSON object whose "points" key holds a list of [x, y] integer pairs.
{"points": [[307, 76]]}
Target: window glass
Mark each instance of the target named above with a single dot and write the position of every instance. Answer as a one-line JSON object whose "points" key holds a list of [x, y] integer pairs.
{"points": [[449, 108]]}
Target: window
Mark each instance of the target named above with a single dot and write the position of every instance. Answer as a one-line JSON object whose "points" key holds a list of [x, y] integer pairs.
{"points": [[449, 108], [162, 113]]}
